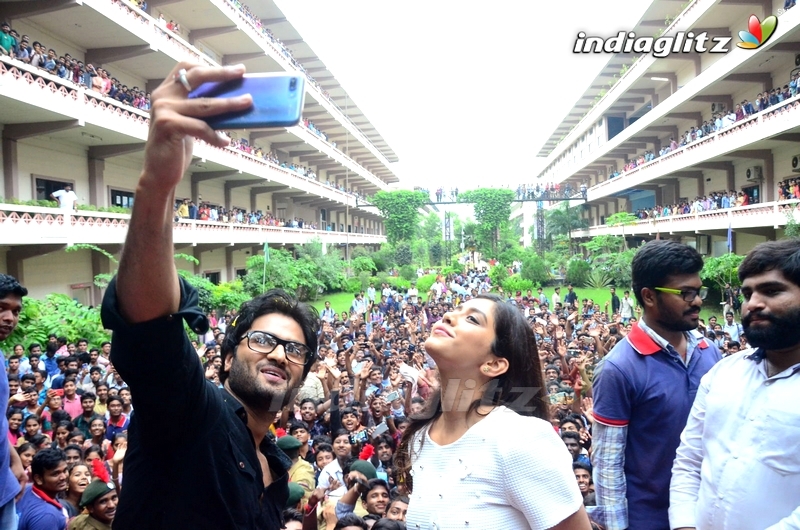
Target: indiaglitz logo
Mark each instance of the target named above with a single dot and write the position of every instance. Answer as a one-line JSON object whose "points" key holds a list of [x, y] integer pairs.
{"points": [[758, 32], [681, 42]]}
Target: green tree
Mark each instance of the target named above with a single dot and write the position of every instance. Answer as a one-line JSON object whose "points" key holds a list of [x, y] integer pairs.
{"points": [[436, 251], [792, 228], [328, 267], [297, 276], [431, 227], [534, 268], [721, 270], [400, 210], [403, 254], [59, 314], [562, 221], [492, 209], [363, 264], [420, 252]]}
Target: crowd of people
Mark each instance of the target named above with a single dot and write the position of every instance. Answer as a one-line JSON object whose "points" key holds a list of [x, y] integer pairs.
{"points": [[187, 209], [722, 200], [546, 191], [371, 374], [719, 121], [38, 55]]}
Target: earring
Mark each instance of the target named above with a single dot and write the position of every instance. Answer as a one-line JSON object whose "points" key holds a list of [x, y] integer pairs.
{"points": [[486, 369]]}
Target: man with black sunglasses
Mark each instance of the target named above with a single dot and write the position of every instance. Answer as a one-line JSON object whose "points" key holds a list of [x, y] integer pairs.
{"points": [[216, 467], [644, 389]]}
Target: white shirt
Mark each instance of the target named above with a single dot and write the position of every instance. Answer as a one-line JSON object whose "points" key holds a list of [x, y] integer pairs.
{"points": [[332, 470], [508, 471], [556, 299], [738, 465], [66, 199]]}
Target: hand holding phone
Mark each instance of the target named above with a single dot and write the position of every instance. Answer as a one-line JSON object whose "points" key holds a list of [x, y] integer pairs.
{"points": [[277, 100]]}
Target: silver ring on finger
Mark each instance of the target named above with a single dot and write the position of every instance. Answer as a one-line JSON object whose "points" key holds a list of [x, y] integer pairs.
{"points": [[182, 79]]}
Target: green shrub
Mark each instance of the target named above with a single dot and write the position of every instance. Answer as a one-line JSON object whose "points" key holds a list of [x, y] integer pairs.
{"points": [[498, 274], [398, 282], [578, 271], [424, 284], [598, 279], [363, 264], [408, 272], [534, 269], [515, 283], [354, 285], [403, 254]]}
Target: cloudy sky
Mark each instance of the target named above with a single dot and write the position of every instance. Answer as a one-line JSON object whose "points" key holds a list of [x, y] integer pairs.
{"points": [[465, 92]]}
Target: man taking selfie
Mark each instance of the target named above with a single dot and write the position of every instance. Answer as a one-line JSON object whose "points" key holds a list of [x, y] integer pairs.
{"points": [[215, 467]]}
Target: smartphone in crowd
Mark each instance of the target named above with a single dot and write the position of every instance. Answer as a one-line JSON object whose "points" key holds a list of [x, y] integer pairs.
{"points": [[359, 437], [559, 398], [380, 429], [391, 396], [277, 100]]}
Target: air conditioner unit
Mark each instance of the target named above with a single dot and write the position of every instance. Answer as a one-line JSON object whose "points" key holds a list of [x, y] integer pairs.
{"points": [[718, 107], [755, 173], [796, 164]]}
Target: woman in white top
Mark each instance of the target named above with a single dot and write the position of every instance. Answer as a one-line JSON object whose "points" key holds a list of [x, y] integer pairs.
{"points": [[483, 455]]}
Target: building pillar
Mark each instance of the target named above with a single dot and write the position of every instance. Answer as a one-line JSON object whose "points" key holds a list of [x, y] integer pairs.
{"points": [[198, 255], [769, 178], [230, 274], [10, 169], [659, 197], [731, 180], [253, 200], [228, 201], [100, 265], [15, 266], [195, 193], [97, 194]]}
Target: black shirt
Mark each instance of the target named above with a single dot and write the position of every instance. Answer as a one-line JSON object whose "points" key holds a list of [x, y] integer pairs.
{"points": [[191, 460]]}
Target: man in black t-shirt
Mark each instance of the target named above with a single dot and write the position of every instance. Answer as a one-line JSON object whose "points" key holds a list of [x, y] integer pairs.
{"points": [[186, 432]]}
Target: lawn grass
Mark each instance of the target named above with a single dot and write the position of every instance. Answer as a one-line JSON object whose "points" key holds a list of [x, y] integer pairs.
{"points": [[341, 301]]}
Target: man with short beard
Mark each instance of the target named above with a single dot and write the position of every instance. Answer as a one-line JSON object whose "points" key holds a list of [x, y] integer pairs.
{"points": [[738, 463], [220, 442]]}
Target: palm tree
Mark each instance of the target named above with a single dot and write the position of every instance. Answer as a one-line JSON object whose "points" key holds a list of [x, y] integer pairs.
{"points": [[563, 220], [622, 219]]}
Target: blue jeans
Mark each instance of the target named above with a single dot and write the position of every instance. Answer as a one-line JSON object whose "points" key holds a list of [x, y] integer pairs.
{"points": [[8, 516]]}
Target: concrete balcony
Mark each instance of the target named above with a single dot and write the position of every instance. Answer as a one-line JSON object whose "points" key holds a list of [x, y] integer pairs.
{"points": [[770, 215], [31, 225], [779, 119], [40, 97]]}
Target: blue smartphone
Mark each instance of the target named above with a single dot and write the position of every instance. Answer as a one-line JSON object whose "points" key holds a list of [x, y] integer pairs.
{"points": [[277, 101]]}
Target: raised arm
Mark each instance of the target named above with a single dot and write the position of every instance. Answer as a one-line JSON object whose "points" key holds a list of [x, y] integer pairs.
{"points": [[147, 282]]}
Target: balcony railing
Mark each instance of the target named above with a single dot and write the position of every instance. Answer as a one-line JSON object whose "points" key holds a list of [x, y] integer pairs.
{"points": [[37, 87], [34, 225], [653, 169], [768, 214]]}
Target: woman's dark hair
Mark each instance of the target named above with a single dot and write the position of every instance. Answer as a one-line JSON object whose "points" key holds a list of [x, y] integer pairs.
{"points": [[64, 425], [323, 448], [12, 411], [388, 524], [38, 440], [350, 519], [74, 447], [273, 301], [10, 286], [514, 341], [76, 464], [94, 449], [385, 439], [59, 416], [290, 514], [21, 448], [34, 417], [45, 460], [658, 259], [782, 255], [97, 418]]}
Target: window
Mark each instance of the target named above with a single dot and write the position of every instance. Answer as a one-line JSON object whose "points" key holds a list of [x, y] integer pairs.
{"points": [[44, 187], [323, 214], [213, 277], [241, 273], [123, 199]]}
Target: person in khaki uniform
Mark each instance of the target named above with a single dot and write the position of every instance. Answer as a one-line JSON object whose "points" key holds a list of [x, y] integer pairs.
{"points": [[301, 472], [100, 503]]}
